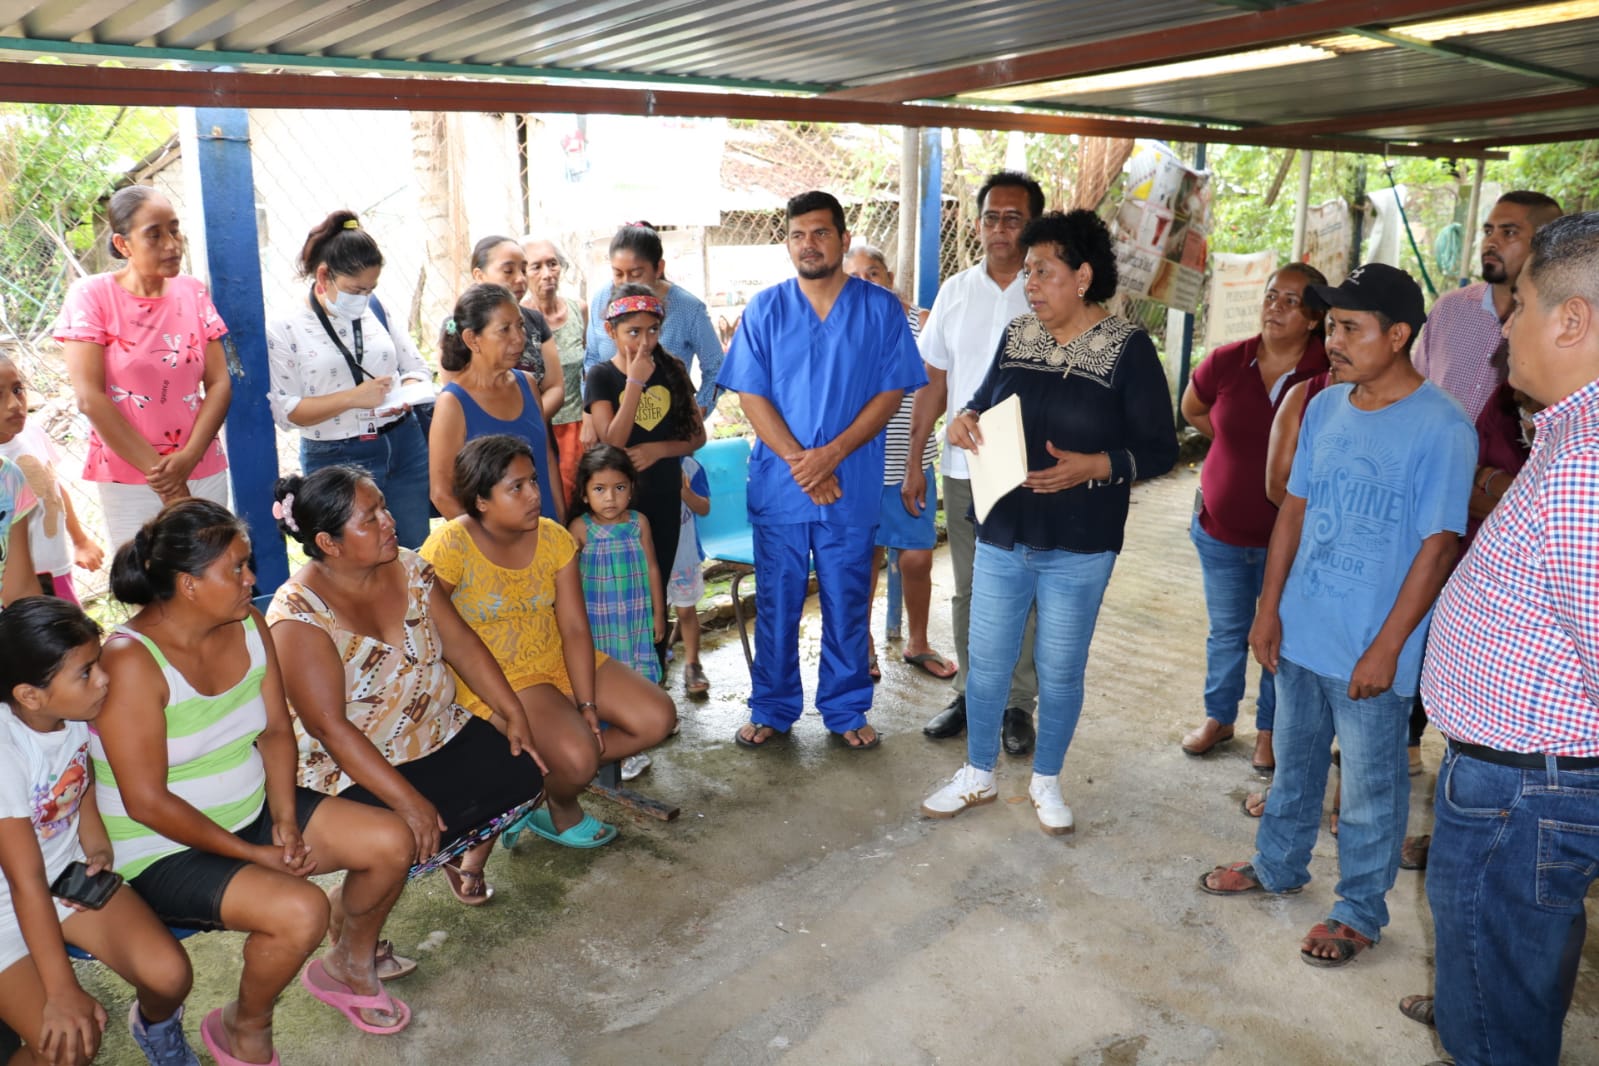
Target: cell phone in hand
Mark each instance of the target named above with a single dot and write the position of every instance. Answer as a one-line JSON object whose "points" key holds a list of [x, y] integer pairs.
{"points": [[77, 885]]}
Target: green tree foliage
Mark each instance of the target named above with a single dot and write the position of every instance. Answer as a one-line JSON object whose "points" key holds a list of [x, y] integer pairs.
{"points": [[1248, 218], [1569, 172], [58, 162]]}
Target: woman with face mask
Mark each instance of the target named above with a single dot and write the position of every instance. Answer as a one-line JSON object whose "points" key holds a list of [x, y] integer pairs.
{"points": [[334, 364]]}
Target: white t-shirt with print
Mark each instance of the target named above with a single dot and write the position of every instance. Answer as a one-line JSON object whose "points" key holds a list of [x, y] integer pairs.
{"points": [[43, 778], [41, 462]]}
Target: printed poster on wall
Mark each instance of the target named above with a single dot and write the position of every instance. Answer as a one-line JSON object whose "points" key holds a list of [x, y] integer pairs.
{"points": [[1327, 235], [1162, 227], [1237, 283], [589, 167]]}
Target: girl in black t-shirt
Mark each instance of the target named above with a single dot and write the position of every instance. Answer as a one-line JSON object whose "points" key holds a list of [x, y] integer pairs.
{"points": [[642, 400]]}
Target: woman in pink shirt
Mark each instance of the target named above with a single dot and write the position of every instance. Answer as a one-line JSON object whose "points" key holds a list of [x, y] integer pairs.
{"points": [[144, 351]]}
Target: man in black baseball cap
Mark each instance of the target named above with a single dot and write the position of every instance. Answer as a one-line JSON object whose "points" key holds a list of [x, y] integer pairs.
{"points": [[1377, 287], [1364, 539]]}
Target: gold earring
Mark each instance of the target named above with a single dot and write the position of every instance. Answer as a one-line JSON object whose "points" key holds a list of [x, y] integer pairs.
{"points": [[1081, 290]]}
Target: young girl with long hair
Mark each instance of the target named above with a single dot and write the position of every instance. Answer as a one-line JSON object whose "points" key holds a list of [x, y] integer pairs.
{"points": [[51, 687], [512, 574], [621, 573], [641, 400]]}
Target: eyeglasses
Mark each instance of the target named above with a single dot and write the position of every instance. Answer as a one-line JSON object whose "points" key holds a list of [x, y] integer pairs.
{"points": [[1287, 299], [1005, 220]]}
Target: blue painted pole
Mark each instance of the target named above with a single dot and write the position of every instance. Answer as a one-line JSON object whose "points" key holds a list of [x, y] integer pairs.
{"points": [[227, 185], [932, 217]]}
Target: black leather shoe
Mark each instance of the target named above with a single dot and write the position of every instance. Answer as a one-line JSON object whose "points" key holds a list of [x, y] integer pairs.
{"points": [[950, 722], [1018, 732]]}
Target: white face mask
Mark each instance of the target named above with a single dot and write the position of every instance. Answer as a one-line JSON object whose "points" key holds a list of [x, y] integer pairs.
{"points": [[349, 304]]}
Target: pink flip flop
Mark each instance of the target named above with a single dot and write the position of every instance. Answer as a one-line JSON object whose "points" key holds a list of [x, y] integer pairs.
{"points": [[214, 1032], [348, 1002]]}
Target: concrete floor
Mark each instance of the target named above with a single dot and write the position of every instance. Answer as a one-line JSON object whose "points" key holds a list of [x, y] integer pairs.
{"points": [[800, 911]]}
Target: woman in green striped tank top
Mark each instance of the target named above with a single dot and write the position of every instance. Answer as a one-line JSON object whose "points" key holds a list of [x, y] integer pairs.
{"points": [[195, 762]]}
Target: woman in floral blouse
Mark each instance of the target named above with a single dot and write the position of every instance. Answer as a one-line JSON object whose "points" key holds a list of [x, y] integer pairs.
{"points": [[374, 638]]}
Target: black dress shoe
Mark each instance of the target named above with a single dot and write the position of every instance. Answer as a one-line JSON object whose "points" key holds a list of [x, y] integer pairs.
{"points": [[950, 722], [1018, 732]]}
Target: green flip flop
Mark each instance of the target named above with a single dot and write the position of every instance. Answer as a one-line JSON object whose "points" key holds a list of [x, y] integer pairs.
{"points": [[588, 833]]}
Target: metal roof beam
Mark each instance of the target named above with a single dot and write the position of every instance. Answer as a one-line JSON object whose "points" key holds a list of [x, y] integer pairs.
{"points": [[1489, 143], [1257, 29], [49, 83], [1477, 56], [1420, 116]]}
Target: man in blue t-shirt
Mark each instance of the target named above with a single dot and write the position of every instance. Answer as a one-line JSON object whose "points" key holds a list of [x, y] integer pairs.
{"points": [[1362, 545], [820, 363]]}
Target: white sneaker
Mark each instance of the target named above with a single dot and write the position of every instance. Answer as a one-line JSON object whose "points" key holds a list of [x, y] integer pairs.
{"points": [[968, 788], [634, 765], [1054, 817]]}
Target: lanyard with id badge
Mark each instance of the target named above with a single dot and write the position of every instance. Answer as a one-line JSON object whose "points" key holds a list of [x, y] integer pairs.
{"points": [[353, 360]]}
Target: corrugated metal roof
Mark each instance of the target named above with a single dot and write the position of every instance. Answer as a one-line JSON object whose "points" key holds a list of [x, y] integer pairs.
{"points": [[809, 42], [820, 46], [1376, 81]]}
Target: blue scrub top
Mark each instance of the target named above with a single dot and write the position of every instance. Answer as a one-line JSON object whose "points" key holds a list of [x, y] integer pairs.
{"points": [[819, 375]]}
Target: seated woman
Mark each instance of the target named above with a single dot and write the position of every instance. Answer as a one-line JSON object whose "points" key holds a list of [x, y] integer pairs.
{"points": [[480, 348], [514, 577], [51, 687], [370, 631], [194, 764]]}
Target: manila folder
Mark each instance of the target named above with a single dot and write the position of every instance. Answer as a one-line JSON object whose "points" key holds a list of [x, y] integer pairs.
{"points": [[1001, 463]]}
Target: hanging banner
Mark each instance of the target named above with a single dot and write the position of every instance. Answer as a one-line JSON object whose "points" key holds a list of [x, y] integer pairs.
{"points": [[1162, 227], [1237, 283], [667, 171], [1327, 234]]}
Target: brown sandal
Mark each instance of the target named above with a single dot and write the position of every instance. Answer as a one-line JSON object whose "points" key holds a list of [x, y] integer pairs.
{"points": [[1418, 1009], [1346, 941], [1237, 879], [389, 966], [468, 885], [1413, 852]]}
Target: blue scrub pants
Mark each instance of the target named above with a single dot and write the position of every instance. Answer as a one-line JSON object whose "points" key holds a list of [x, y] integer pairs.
{"points": [[843, 559]]}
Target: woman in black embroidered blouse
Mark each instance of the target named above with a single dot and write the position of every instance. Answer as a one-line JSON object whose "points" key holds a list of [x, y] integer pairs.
{"points": [[1096, 416]]}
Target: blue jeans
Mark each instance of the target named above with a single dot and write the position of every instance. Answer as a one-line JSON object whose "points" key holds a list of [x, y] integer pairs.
{"points": [[1065, 588], [1375, 775], [1233, 577], [1513, 853], [398, 463]]}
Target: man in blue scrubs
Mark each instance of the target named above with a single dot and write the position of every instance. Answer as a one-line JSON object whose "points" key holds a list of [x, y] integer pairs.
{"points": [[820, 363]]}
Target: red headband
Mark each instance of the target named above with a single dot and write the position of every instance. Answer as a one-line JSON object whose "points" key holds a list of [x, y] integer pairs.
{"points": [[627, 305]]}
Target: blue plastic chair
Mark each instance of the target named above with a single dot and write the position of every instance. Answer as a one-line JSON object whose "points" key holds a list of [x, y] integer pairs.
{"points": [[725, 533]]}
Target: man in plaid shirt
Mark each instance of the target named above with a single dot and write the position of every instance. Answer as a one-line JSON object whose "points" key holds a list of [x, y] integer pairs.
{"points": [[1512, 679], [1457, 346]]}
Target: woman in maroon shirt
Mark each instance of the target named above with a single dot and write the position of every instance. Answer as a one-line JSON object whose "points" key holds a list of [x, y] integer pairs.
{"points": [[1231, 399]]}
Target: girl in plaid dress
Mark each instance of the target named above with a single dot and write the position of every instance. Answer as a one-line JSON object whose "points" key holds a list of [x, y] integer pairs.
{"points": [[621, 576]]}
